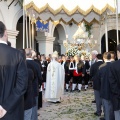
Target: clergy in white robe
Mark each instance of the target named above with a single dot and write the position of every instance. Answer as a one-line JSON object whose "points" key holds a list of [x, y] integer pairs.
{"points": [[55, 80]]}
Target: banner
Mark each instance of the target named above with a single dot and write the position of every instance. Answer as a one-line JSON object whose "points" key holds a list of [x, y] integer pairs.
{"points": [[41, 27]]}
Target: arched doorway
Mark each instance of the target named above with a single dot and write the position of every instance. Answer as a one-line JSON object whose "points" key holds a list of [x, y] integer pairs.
{"points": [[19, 40], [19, 27], [112, 41], [59, 34]]}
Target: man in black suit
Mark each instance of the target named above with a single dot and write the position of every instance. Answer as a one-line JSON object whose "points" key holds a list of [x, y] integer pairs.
{"points": [[13, 80], [113, 56], [105, 93], [96, 85], [37, 78], [29, 98], [114, 79], [65, 65], [34, 56]]}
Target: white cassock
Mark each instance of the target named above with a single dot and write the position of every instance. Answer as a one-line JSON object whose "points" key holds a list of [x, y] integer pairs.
{"points": [[54, 82]]}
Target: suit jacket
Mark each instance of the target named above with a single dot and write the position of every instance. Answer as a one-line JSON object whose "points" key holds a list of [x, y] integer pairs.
{"points": [[37, 75], [66, 67], [13, 82], [114, 78], [93, 74], [29, 98], [103, 77], [38, 61]]}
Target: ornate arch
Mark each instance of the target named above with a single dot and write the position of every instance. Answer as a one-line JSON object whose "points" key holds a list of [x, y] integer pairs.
{"points": [[53, 28], [16, 18]]}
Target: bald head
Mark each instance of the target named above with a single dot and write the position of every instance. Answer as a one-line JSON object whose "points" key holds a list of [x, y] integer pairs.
{"points": [[28, 52], [34, 55]]}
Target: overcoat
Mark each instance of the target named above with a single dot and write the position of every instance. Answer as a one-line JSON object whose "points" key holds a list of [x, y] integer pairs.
{"points": [[114, 78], [13, 82]]}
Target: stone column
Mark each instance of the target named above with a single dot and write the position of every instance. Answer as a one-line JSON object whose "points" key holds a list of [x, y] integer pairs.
{"points": [[45, 43], [12, 37], [63, 49], [106, 33]]}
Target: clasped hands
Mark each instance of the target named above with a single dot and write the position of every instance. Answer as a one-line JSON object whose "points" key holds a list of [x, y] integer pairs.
{"points": [[2, 112]]}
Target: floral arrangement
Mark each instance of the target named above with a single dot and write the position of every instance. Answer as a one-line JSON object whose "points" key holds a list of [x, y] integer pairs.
{"points": [[75, 51]]}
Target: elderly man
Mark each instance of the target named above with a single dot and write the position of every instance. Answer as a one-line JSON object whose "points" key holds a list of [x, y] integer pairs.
{"points": [[55, 80], [13, 80], [37, 79], [94, 53]]}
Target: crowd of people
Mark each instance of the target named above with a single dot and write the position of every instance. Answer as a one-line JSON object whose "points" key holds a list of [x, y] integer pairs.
{"points": [[25, 73]]}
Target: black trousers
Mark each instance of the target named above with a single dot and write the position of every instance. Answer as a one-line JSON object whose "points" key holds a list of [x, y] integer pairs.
{"points": [[86, 79], [77, 79], [44, 76], [67, 79]]}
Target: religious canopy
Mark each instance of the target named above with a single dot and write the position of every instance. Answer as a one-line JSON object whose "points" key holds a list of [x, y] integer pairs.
{"points": [[68, 11]]}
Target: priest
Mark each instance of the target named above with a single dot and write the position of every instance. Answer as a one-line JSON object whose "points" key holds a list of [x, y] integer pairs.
{"points": [[55, 80]]}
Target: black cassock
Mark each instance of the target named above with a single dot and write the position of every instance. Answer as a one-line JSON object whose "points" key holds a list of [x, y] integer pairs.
{"points": [[13, 82]]}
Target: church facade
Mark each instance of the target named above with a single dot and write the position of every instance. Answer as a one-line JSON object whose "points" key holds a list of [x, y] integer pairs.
{"points": [[47, 42]]}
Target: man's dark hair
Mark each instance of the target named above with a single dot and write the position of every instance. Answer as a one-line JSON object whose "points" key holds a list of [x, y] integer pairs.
{"points": [[107, 55], [113, 54], [23, 53], [2, 29], [118, 47], [62, 55], [99, 56]]}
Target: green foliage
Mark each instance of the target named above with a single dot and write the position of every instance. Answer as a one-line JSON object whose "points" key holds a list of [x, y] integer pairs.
{"points": [[88, 29]]}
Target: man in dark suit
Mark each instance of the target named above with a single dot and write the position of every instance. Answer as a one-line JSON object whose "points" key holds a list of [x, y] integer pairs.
{"points": [[13, 80], [65, 65], [96, 85], [34, 56], [37, 78], [105, 93], [114, 79], [29, 98], [113, 56]]}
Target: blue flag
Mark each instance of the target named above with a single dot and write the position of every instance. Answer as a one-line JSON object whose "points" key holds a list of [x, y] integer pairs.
{"points": [[42, 27]]}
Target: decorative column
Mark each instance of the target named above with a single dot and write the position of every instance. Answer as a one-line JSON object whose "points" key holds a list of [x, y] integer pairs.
{"points": [[26, 31], [63, 50], [23, 27], [33, 35], [117, 22], [106, 33], [45, 43], [12, 37], [100, 36], [30, 43]]}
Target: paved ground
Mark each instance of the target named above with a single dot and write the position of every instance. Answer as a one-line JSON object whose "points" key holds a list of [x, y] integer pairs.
{"points": [[74, 106]]}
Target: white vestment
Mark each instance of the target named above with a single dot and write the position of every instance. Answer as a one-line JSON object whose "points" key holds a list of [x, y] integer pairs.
{"points": [[54, 82]]}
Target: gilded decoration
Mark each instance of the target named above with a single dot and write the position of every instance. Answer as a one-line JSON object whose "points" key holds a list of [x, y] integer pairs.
{"points": [[67, 23], [69, 13]]}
